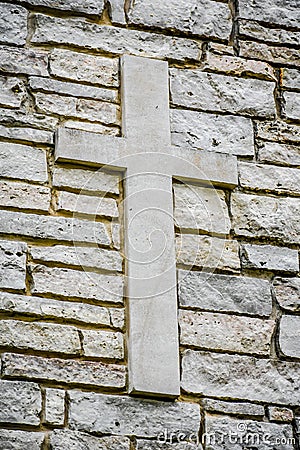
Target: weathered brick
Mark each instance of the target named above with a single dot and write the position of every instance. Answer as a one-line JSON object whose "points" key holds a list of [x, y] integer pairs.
{"points": [[196, 207], [289, 336], [275, 218], [55, 406], [67, 439], [113, 40], [204, 18], [13, 265], [129, 416], [272, 11], [279, 153], [23, 162], [20, 117], [86, 180], [23, 61], [261, 177], [49, 227], [235, 408], [13, 24], [264, 52], [291, 77], [278, 131], [26, 134], [20, 402], [209, 252], [103, 344], [15, 439], [241, 377], [39, 336], [74, 283], [224, 332], [87, 7], [211, 132], [213, 92], [273, 35], [287, 293], [71, 371], [268, 257], [243, 295], [87, 204], [27, 196], [12, 92], [278, 414], [292, 105]]}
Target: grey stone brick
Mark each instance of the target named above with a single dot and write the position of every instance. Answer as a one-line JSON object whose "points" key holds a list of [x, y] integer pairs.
{"points": [[279, 153], [22, 117], [23, 195], [67, 439], [264, 52], [13, 24], [291, 78], [274, 35], [15, 439], [103, 344], [55, 406], [278, 414], [287, 292], [26, 134], [292, 105], [289, 336], [272, 11], [268, 257], [87, 204], [12, 92], [278, 131], [23, 61], [86, 180], [86, 7], [235, 408], [20, 402], [13, 265]]}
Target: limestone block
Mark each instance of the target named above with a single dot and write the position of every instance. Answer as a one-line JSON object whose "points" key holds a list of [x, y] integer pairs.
{"points": [[67, 439], [20, 117], [39, 336], [196, 207], [83, 67], [20, 402], [87, 204], [271, 11], [49, 227], [279, 153], [167, 441], [276, 218], [12, 92], [269, 178], [224, 293], [71, 371], [129, 416], [227, 333], [86, 7], [264, 52], [214, 92], [287, 293], [23, 195], [275, 35], [26, 134], [289, 336], [278, 414], [117, 12], [23, 61], [212, 132], [116, 41], [268, 257], [235, 408], [241, 377], [55, 406], [291, 77], [86, 180], [199, 18], [117, 316], [292, 105], [15, 439], [13, 24], [23, 162], [278, 131], [13, 265], [208, 252], [92, 127], [103, 344], [74, 283]]}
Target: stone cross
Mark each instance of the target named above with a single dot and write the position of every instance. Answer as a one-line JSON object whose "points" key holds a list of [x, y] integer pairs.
{"points": [[149, 162]]}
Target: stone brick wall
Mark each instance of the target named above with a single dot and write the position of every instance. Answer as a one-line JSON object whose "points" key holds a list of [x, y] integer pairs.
{"points": [[235, 89]]}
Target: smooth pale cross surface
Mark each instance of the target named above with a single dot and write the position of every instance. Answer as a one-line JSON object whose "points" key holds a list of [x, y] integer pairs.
{"points": [[148, 162]]}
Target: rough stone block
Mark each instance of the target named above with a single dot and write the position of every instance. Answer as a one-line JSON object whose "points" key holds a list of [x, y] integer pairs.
{"points": [[199, 208], [276, 35], [24, 118], [74, 283], [279, 153], [271, 11], [278, 131], [291, 77], [287, 293], [225, 293], [13, 265], [117, 316], [27, 196], [264, 52], [289, 336], [55, 406], [120, 415], [275, 218], [87, 204], [167, 441], [13, 24], [67, 439], [213, 92], [103, 344], [71, 371], [292, 105], [26, 134], [278, 414], [39, 336], [241, 377], [86, 7], [15, 439], [12, 92], [235, 408], [92, 127], [23, 162], [268, 257], [211, 132], [86, 180], [117, 12], [208, 252], [23, 61], [20, 402]]}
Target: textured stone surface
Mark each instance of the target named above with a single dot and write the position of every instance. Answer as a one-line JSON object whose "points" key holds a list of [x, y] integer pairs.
{"points": [[55, 406], [79, 256], [12, 92], [287, 293], [212, 92], [279, 153], [200, 18], [23, 61], [26, 134], [13, 265], [224, 293], [226, 433], [211, 132], [83, 67], [87, 204], [291, 78], [275, 35], [124, 415], [67, 439], [39, 336], [23, 118], [166, 441], [223, 332], [278, 414], [103, 344], [13, 24], [275, 11], [116, 12], [269, 178], [73, 283], [92, 127], [275, 218], [15, 440], [235, 408], [278, 131], [20, 402], [292, 105], [206, 251], [268, 257], [241, 377], [279, 55], [86, 180], [58, 228], [27, 196], [87, 7], [199, 208], [289, 336], [23, 162], [116, 41], [70, 371]]}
